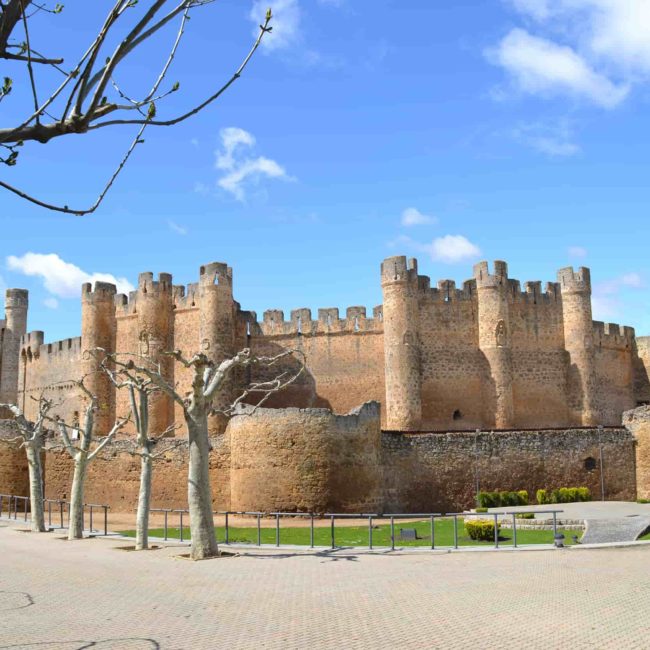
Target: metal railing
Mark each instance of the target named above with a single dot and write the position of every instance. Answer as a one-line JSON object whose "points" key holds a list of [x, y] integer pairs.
{"points": [[370, 517], [61, 508]]}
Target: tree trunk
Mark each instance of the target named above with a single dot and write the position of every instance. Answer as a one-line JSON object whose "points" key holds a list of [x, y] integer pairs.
{"points": [[199, 494], [33, 452], [76, 523], [144, 502]]}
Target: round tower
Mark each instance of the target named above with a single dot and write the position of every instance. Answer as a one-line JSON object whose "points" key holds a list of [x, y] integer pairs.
{"points": [[98, 327], [579, 343], [217, 328], [16, 304], [494, 341], [399, 284], [154, 312]]}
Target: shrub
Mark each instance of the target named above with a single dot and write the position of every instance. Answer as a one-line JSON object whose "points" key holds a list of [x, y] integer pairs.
{"points": [[502, 499], [563, 495], [481, 509], [481, 529], [525, 515]]}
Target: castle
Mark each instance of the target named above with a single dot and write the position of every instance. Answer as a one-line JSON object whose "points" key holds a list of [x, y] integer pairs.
{"points": [[486, 356]]}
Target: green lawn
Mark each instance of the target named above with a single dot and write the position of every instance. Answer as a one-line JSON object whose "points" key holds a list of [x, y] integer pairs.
{"points": [[358, 535]]}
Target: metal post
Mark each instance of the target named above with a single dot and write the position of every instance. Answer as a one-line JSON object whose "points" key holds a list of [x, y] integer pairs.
{"points": [[166, 513], [496, 531], [227, 540], [602, 476], [277, 529], [455, 531], [91, 518], [105, 520], [476, 471], [433, 544], [49, 514], [311, 530], [181, 525], [370, 532], [259, 532], [554, 524], [25, 506], [514, 529], [61, 512], [332, 531], [392, 534], [1, 505]]}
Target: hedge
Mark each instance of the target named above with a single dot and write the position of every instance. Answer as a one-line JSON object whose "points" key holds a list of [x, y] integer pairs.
{"points": [[481, 529], [502, 499], [563, 495]]}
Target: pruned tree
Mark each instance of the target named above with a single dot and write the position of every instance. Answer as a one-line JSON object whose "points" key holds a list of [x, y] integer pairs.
{"points": [[139, 388], [31, 436], [207, 380], [88, 96], [80, 448]]}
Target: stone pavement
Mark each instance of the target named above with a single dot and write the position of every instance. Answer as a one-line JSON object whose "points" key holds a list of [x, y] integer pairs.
{"points": [[73, 595], [602, 531]]}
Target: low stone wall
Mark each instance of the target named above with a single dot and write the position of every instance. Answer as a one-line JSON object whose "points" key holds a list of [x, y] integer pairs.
{"points": [[637, 421], [431, 472], [13, 463]]}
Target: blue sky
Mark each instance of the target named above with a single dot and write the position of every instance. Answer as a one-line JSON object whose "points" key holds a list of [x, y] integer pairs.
{"points": [[453, 132]]}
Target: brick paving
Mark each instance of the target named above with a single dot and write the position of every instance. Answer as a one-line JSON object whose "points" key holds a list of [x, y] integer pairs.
{"points": [[69, 595]]}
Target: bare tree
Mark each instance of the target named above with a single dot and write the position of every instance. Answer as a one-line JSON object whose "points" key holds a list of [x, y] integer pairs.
{"points": [[88, 97], [139, 388], [207, 381], [82, 453], [31, 436]]}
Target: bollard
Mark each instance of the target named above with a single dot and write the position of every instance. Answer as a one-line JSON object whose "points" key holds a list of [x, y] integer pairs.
{"points": [[25, 502], [311, 530], [227, 536], [370, 532], [49, 514], [166, 513], [181, 525], [61, 512], [514, 530], [455, 531], [392, 534], [91, 518], [496, 531], [277, 529], [332, 530], [259, 532], [554, 524], [433, 544]]}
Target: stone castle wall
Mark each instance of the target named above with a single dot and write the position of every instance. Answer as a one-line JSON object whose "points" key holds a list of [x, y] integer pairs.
{"points": [[488, 355], [313, 460]]}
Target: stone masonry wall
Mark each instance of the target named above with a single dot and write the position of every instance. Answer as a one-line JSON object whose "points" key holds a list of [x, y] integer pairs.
{"points": [[432, 472]]}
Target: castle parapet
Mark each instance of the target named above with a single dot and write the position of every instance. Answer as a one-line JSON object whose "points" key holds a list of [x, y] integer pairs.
{"points": [[574, 281]]}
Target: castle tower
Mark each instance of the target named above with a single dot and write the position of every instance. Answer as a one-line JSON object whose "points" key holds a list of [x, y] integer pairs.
{"points": [[98, 328], [217, 328], [495, 339], [155, 327], [399, 284], [579, 343], [16, 304]]}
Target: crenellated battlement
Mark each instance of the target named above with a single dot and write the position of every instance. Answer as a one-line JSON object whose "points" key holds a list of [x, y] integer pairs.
{"points": [[185, 297], [396, 270], [574, 281], [103, 292], [32, 340], [328, 322], [16, 298], [146, 283], [216, 273], [613, 336], [486, 280]]}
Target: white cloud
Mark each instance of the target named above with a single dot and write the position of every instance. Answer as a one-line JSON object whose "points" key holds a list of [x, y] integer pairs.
{"points": [[539, 66], [608, 296], [538, 9], [61, 278], [577, 251], [285, 23], [180, 230], [413, 217], [448, 249], [240, 169], [553, 139], [51, 303]]}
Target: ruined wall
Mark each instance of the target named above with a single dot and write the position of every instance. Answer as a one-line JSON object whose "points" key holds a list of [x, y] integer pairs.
{"points": [[436, 472], [641, 362], [306, 460]]}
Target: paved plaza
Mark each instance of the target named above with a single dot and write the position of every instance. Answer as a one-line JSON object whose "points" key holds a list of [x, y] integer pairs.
{"points": [[88, 594]]}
